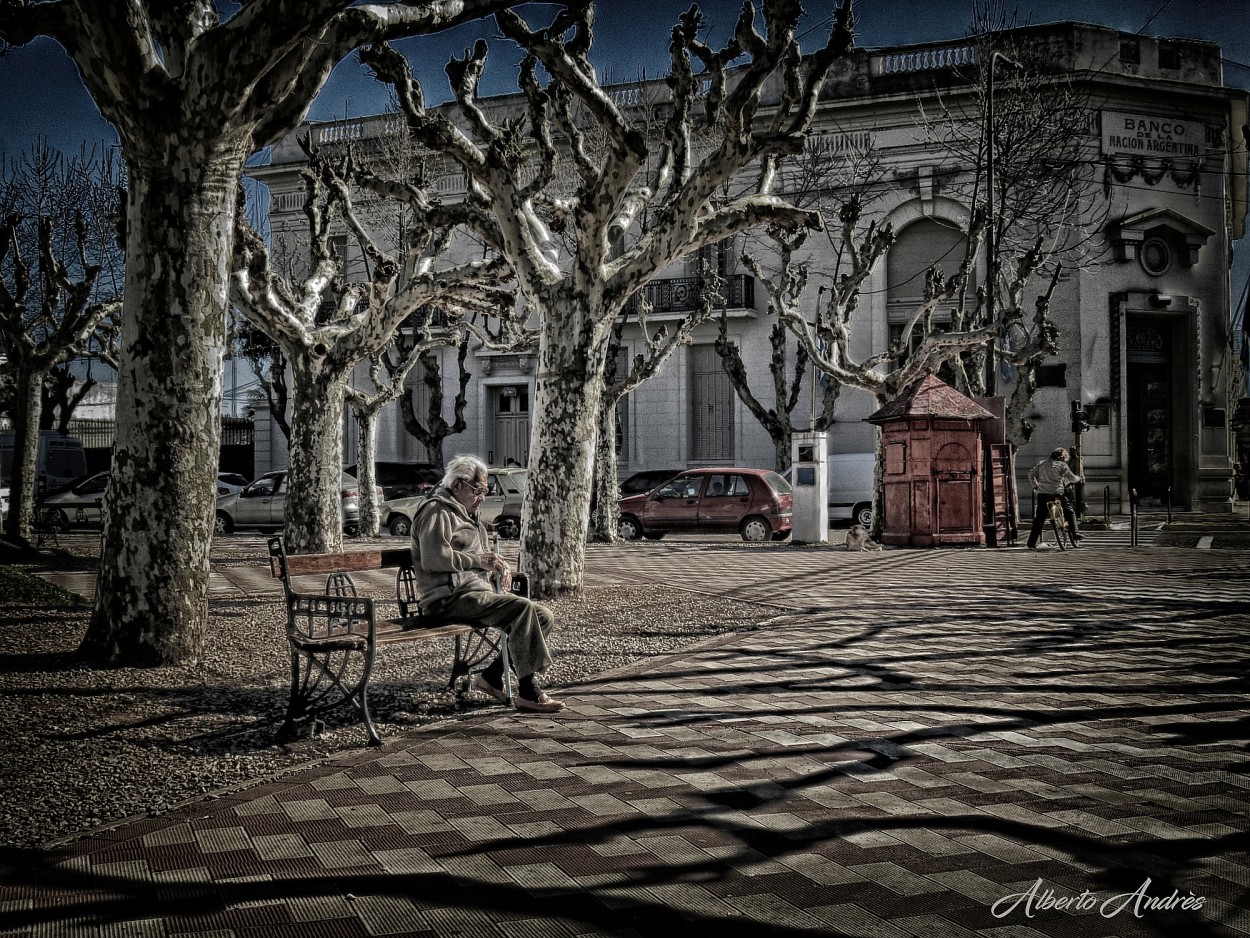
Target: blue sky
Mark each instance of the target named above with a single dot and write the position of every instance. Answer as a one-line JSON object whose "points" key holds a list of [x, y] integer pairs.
{"points": [[41, 95]]}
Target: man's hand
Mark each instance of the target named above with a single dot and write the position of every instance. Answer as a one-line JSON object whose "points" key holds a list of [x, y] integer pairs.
{"points": [[492, 562]]}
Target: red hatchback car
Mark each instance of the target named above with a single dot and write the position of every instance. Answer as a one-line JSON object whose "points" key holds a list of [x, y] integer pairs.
{"points": [[757, 503]]}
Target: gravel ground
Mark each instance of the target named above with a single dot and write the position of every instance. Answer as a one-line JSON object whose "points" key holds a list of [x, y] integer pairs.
{"points": [[83, 748]]}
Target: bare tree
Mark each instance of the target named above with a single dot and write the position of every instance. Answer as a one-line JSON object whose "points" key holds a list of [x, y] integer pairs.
{"points": [[326, 327], [1045, 215], [823, 179], [517, 200], [788, 382], [432, 428], [268, 363], [388, 372], [657, 348], [1046, 207], [191, 92], [60, 269]]}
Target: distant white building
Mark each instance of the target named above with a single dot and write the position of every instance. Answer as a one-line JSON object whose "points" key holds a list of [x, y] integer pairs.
{"points": [[1145, 331]]}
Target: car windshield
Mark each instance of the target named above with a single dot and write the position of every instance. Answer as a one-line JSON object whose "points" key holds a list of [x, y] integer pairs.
{"points": [[263, 486]]}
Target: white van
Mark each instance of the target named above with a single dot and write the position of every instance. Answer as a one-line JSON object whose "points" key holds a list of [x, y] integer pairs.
{"points": [[850, 486], [61, 460]]}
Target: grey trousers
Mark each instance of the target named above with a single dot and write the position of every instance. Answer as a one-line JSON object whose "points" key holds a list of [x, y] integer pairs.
{"points": [[526, 623]]}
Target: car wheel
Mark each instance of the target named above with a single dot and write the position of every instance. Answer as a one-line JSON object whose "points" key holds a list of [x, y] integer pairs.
{"points": [[401, 526], [629, 528], [509, 528], [654, 535], [223, 524], [755, 528], [862, 513]]}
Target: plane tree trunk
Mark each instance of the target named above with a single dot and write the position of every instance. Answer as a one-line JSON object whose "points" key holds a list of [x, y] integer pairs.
{"points": [[28, 404], [151, 601], [567, 393], [313, 522], [606, 516]]}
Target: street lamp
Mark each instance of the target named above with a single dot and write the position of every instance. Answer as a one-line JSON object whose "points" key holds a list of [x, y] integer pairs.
{"points": [[991, 379]]}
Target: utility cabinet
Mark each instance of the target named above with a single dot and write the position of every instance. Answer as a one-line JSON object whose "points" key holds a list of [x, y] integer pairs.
{"points": [[809, 459], [932, 466]]}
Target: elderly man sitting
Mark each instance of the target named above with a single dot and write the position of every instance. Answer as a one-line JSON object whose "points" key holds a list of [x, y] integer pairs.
{"points": [[454, 567]]}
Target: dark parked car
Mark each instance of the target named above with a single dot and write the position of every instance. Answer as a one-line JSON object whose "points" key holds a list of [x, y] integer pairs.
{"points": [[757, 503], [645, 481], [402, 479]]}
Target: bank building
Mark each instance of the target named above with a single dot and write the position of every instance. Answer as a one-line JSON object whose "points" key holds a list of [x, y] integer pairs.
{"points": [[1148, 333]]}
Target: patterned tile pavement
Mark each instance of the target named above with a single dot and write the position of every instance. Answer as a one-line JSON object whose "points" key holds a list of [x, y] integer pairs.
{"points": [[923, 743]]}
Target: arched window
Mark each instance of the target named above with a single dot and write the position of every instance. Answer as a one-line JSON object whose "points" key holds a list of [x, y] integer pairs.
{"points": [[919, 246]]}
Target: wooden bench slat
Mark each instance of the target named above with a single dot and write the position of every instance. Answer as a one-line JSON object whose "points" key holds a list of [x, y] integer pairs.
{"points": [[393, 631], [306, 564]]}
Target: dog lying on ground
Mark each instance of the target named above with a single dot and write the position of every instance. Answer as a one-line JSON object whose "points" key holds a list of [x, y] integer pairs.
{"points": [[857, 539]]}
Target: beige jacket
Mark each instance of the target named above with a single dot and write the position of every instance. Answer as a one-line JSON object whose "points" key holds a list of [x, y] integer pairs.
{"points": [[446, 543]]}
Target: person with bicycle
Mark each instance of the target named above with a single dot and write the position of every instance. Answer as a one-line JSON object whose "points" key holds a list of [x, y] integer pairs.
{"points": [[1050, 479]]}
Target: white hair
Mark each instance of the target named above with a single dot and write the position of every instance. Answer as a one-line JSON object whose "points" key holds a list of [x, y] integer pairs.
{"points": [[464, 467]]}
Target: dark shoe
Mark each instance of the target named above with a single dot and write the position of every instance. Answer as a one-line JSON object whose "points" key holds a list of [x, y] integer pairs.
{"points": [[533, 697], [480, 682]]}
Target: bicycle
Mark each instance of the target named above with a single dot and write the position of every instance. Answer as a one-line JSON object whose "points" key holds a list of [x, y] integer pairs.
{"points": [[1059, 524]]}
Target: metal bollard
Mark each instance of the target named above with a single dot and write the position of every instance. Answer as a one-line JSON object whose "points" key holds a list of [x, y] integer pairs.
{"points": [[1132, 517], [1106, 505], [1169, 504]]}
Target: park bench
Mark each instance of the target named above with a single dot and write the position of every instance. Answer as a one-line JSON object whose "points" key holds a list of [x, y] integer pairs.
{"points": [[334, 635]]}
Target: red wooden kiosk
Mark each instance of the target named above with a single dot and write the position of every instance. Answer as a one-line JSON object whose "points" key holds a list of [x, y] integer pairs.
{"points": [[932, 466]]}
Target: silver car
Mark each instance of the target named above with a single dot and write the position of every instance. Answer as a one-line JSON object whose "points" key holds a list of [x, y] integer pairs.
{"points": [[505, 488], [80, 503], [263, 503]]}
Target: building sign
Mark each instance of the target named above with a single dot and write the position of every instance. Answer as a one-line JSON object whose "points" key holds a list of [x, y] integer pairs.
{"points": [[1152, 135]]}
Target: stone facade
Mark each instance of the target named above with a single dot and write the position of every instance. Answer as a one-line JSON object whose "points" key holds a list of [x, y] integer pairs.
{"points": [[1144, 322]]}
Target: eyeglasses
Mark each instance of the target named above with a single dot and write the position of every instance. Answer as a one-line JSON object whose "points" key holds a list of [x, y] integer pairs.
{"points": [[475, 489]]}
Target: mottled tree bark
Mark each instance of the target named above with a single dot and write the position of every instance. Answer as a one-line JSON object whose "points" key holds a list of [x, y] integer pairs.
{"points": [[567, 393], [152, 595], [366, 472], [28, 404], [606, 516], [313, 522]]}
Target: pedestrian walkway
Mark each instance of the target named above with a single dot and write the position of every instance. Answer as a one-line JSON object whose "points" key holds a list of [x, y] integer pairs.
{"points": [[937, 743]]}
